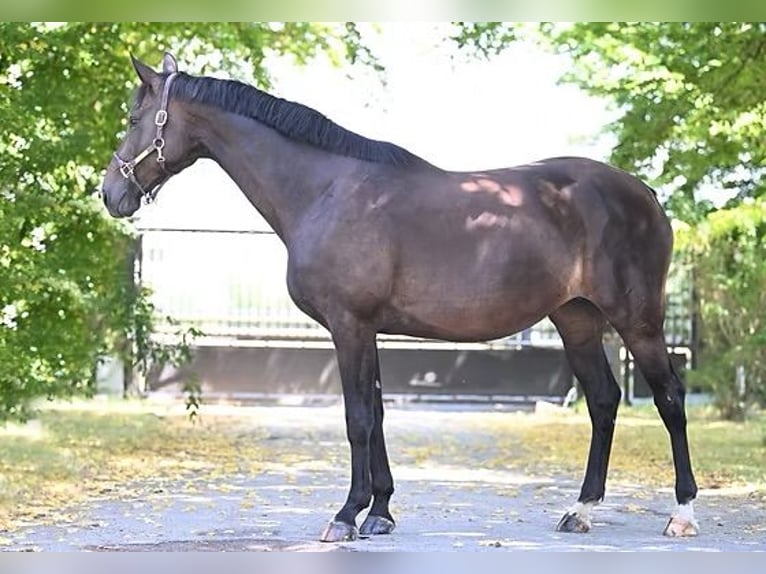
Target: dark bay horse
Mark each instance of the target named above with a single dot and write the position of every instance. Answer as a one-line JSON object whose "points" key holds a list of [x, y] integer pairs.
{"points": [[381, 241]]}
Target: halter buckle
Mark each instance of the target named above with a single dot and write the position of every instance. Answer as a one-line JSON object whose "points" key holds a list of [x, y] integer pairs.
{"points": [[126, 169], [161, 118]]}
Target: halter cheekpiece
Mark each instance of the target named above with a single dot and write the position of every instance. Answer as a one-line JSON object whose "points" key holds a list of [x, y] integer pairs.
{"points": [[127, 168]]}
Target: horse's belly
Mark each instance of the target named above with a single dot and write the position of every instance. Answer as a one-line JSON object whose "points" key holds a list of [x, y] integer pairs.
{"points": [[468, 319], [473, 298]]}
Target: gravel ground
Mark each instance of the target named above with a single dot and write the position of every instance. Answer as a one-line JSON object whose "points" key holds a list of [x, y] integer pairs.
{"points": [[439, 505]]}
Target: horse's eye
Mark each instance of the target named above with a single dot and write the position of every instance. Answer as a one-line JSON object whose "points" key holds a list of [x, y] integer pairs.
{"points": [[133, 121]]}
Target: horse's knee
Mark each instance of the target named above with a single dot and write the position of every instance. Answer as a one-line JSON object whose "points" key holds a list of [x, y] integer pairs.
{"points": [[605, 402], [604, 422], [359, 428]]}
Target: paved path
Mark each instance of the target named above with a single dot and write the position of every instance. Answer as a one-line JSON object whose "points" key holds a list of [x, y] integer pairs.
{"points": [[439, 507]]}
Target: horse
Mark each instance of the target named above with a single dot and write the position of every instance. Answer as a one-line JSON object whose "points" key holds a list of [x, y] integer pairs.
{"points": [[380, 240]]}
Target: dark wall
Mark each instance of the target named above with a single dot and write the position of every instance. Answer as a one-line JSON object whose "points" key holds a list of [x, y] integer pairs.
{"points": [[523, 372]]}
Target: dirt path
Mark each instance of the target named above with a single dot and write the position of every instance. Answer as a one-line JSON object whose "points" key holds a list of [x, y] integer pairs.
{"points": [[444, 500]]}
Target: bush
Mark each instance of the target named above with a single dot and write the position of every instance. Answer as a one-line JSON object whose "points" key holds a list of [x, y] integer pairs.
{"points": [[728, 254]]}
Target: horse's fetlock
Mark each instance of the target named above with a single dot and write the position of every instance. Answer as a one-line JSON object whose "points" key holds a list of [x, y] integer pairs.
{"points": [[386, 490], [363, 502]]}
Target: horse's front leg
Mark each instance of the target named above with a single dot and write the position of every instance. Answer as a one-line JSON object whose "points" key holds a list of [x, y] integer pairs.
{"points": [[379, 520], [355, 348]]}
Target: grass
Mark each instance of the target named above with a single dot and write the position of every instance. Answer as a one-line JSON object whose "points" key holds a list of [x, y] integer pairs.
{"points": [[70, 454], [724, 454]]}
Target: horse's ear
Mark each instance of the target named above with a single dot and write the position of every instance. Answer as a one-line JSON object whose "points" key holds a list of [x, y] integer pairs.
{"points": [[169, 65], [148, 77]]}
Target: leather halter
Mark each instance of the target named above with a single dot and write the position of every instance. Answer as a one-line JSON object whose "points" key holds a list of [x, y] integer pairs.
{"points": [[127, 168]]}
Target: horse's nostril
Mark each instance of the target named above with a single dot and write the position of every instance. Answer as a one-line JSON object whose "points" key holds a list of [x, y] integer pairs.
{"points": [[101, 194]]}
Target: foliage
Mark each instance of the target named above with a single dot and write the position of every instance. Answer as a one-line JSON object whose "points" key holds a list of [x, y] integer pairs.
{"points": [[485, 38], [66, 294], [727, 252], [147, 355], [689, 97]]}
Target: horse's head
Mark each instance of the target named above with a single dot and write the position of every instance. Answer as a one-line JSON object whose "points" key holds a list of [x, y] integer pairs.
{"points": [[155, 145]]}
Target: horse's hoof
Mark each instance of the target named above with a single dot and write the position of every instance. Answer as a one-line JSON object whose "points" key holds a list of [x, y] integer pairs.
{"points": [[681, 527], [373, 525], [572, 522], [337, 531]]}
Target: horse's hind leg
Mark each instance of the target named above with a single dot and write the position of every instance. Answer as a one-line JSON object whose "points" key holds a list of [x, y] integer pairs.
{"points": [[581, 326], [638, 317], [651, 356], [379, 519]]}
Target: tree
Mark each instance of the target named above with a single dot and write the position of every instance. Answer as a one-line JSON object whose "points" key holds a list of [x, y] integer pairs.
{"points": [[726, 251], [689, 97], [66, 294]]}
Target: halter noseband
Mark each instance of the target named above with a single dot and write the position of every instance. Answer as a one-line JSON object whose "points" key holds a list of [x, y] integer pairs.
{"points": [[127, 168]]}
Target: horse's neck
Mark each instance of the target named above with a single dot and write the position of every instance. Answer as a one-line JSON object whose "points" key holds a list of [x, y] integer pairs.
{"points": [[279, 177]]}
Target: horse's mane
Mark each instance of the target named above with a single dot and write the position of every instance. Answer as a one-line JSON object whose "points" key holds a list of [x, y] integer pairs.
{"points": [[291, 119]]}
